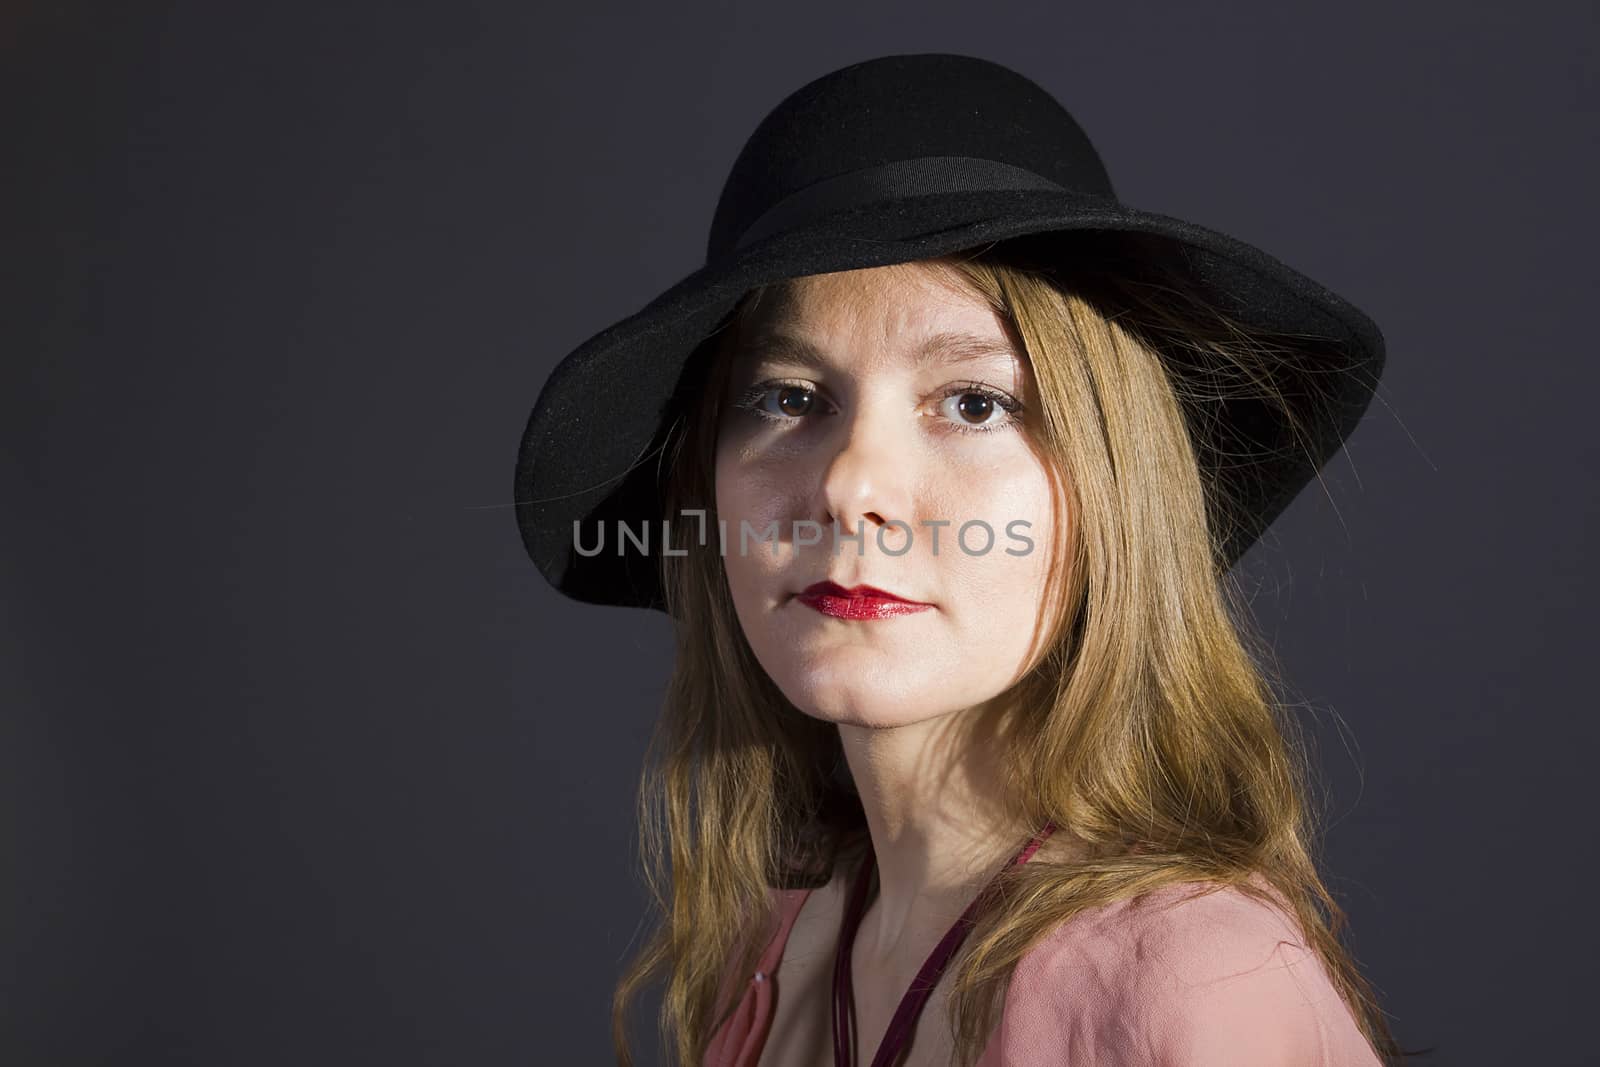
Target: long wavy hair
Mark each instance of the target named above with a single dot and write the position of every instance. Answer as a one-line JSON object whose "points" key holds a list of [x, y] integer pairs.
{"points": [[1148, 723]]}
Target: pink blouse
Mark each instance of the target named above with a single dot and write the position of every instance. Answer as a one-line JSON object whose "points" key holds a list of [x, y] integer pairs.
{"points": [[1220, 980]]}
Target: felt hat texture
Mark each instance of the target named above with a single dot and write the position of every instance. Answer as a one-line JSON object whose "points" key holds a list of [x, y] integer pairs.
{"points": [[894, 159]]}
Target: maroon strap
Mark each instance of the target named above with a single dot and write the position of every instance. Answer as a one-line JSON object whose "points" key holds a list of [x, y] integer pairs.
{"points": [[895, 1039]]}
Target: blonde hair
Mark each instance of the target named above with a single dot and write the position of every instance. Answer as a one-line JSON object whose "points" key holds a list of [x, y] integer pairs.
{"points": [[1148, 725]]}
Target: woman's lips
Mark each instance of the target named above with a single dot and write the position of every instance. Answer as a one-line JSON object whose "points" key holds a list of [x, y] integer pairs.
{"points": [[861, 602]]}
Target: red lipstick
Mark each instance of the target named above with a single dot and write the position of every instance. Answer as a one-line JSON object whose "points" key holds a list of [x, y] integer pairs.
{"points": [[861, 602]]}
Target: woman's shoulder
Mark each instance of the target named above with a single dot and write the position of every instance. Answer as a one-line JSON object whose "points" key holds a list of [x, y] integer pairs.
{"points": [[1176, 928], [1192, 974]]}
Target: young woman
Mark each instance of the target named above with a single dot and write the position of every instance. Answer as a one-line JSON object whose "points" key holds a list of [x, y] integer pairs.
{"points": [[969, 755]]}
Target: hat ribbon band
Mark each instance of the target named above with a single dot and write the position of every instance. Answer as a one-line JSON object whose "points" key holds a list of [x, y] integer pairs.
{"points": [[899, 178]]}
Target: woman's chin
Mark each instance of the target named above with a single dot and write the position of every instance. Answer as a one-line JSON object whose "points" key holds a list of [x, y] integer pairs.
{"points": [[872, 710]]}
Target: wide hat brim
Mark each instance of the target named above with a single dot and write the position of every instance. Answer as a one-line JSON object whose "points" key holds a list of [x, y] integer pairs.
{"points": [[589, 452]]}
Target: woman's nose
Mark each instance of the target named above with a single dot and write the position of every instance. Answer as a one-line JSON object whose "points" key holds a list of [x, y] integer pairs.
{"points": [[865, 482]]}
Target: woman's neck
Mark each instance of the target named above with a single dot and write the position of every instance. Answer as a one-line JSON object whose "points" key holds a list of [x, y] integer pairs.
{"points": [[934, 808]]}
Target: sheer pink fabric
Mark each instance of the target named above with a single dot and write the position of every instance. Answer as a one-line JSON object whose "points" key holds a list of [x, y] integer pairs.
{"points": [[1174, 980]]}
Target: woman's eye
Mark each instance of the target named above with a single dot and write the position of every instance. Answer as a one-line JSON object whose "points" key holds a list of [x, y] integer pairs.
{"points": [[778, 401], [974, 408], [793, 400]]}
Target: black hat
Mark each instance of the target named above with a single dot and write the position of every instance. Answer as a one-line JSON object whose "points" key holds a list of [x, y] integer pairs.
{"points": [[895, 159]]}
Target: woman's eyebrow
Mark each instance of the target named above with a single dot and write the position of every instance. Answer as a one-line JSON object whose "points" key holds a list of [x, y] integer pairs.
{"points": [[946, 347]]}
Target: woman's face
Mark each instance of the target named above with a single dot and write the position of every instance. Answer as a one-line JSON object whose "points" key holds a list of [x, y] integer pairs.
{"points": [[844, 407]]}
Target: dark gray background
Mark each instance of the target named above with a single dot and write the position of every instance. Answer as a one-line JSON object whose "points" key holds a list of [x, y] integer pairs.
{"points": [[302, 762]]}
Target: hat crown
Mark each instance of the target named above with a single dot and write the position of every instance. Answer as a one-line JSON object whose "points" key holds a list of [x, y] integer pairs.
{"points": [[868, 117]]}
